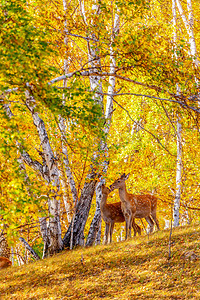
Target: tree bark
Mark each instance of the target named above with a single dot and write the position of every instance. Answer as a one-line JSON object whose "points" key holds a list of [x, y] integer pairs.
{"points": [[62, 126], [81, 214], [98, 238], [66, 198], [53, 204], [178, 174], [43, 170], [189, 28], [76, 227], [178, 133], [45, 236], [94, 227]]}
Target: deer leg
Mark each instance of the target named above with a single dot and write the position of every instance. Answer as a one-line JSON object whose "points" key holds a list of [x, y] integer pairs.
{"points": [[134, 225], [106, 233], [151, 223], [136, 228], [130, 223], [153, 214], [129, 219], [139, 229], [127, 227], [111, 231]]}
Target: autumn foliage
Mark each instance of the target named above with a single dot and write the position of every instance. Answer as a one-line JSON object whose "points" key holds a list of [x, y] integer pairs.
{"points": [[91, 90]]}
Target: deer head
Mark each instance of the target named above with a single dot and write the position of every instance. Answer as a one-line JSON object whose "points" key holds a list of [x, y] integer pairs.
{"points": [[105, 190], [119, 183]]}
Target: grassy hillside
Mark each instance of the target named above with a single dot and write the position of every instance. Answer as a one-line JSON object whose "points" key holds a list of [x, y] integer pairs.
{"points": [[136, 269]]}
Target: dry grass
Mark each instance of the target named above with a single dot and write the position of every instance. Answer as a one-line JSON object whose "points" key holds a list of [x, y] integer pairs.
{"points": [[136, 269]]}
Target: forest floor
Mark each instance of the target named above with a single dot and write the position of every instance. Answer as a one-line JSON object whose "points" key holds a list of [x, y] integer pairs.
{"points": [[139, 268]]}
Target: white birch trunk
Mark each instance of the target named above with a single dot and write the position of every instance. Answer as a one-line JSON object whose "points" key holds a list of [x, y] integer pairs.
{"points": [[189, 24], [56, 243], [68, 171], [66, 199], [83, 206], [62, 126], [45, 236], [179, 145], [178, 174], [98, 238], [43, 171], [20, 259], [82, 211], [94, 227], [189, 28]]}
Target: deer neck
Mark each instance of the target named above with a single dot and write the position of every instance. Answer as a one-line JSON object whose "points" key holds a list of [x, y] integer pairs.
{"points": [[123, 194], [103, 201]]}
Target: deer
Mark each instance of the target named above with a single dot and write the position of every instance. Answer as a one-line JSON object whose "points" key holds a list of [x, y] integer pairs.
{"points": [[146, 205], [111, 214], [4, 262]]}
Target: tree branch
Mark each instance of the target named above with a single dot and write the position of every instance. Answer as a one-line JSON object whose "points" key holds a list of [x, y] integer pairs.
{"points": [[157, 139]]}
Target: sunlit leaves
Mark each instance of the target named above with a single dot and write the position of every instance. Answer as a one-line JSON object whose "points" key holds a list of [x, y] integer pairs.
{"points": [[23, 46]]}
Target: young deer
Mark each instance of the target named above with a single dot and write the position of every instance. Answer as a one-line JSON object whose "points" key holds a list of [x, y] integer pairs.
{"points": [[111, 214], [4, 262], [146, 205]]}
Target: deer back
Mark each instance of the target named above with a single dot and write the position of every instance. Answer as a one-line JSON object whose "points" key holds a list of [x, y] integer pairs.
{"points": [[112, 213], [143, 206]]}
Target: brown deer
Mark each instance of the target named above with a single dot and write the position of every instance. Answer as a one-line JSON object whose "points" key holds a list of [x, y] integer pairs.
{"points": [[112, 213], [146, 205], [4, 262]]}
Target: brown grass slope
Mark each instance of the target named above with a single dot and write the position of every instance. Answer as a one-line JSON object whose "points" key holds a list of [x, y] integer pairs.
{"points": [[136, 269]]}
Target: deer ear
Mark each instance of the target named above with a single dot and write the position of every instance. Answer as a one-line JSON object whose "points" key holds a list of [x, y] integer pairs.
{"points": [[127, 176]]}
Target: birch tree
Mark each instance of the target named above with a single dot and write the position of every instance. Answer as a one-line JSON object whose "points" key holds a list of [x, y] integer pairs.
{"points": [[56, 243], [108, 116], [83, 206], [179, 144], [62, 126], [193, 52]]}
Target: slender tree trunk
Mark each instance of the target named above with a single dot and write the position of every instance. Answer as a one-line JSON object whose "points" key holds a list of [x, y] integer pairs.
{"points": [[83, 206], [62, 125], [179, 145], [94, 227], [178, 174], [81, 214], [43, 171], [189, 28], [66, 197], [45, 236], [56, 243], [98, 238]]}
